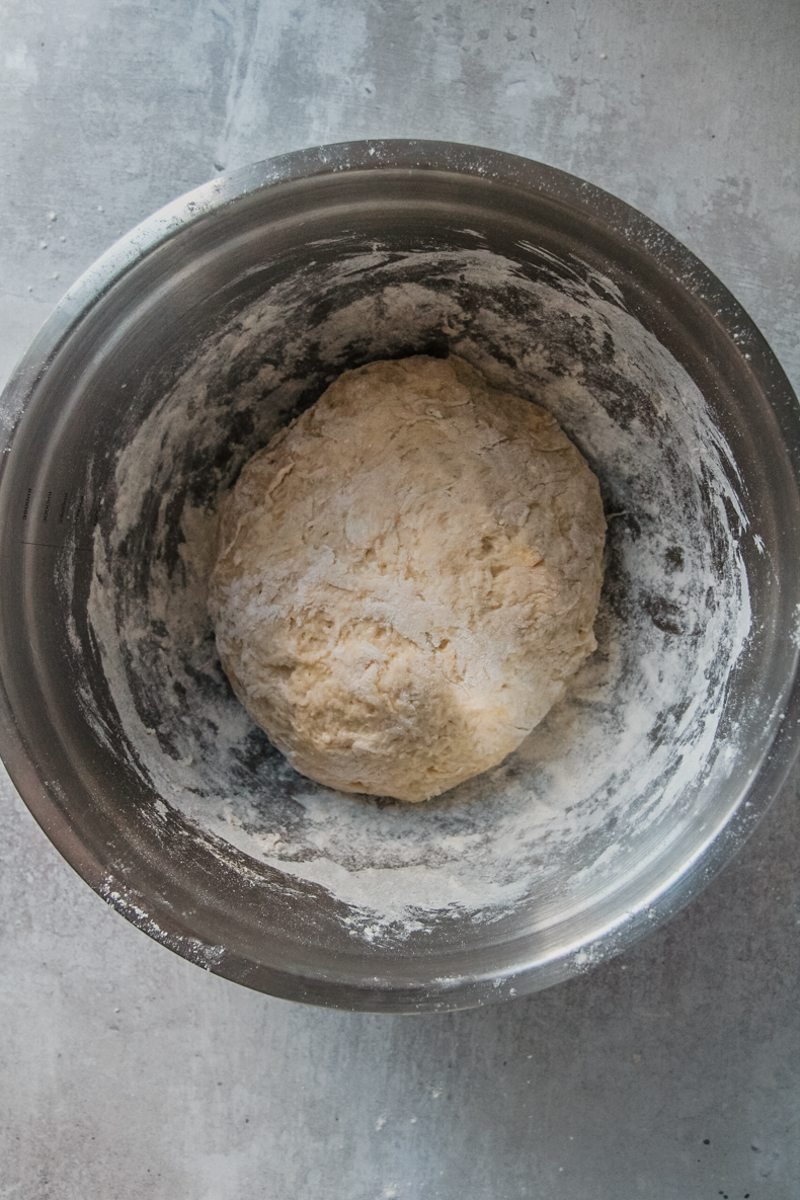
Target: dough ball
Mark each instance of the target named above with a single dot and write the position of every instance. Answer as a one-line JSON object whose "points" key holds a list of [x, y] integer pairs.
{"points": [[407, 577]]}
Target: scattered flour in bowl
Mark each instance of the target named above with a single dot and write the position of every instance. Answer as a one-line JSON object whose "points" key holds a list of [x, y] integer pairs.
{"points": [[614, 772]]}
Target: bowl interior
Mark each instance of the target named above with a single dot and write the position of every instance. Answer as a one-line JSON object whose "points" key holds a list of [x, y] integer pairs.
{"points": [[180, 810]]}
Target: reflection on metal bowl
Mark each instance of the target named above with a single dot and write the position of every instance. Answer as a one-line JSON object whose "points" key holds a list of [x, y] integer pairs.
{"points": [[176, 356]]}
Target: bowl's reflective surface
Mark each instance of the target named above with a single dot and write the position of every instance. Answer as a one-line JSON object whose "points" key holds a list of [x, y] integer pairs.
{"points": [[162, 291]]}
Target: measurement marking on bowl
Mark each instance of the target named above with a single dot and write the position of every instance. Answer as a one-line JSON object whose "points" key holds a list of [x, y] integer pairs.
{"points": [[72, 518], [55, 546]]}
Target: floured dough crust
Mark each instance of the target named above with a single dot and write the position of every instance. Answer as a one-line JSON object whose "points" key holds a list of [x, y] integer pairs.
{"points": [[407, 577]]}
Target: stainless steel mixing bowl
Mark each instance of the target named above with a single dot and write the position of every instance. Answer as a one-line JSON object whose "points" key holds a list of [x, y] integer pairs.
{"points": [[102, 364]]}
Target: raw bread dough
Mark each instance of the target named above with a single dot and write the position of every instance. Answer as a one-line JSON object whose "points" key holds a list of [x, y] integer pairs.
{"points": [[407, 577]]}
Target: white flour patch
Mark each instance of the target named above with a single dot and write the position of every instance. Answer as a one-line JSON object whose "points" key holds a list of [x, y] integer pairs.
{"points": [[795, 636], [610, 777], [198, 952]]}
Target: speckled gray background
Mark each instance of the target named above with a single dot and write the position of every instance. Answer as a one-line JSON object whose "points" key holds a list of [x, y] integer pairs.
{"points": [[674, 1072]]}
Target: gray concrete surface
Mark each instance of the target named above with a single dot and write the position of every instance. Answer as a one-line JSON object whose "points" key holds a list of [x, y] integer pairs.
{"points": [[672, 1073]]}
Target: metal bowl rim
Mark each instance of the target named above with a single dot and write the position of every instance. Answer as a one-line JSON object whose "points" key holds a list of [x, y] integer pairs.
{"points": [[651, 242]]}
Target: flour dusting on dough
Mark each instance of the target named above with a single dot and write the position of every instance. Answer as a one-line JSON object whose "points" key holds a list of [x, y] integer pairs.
{"points": [[407, 578]]}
